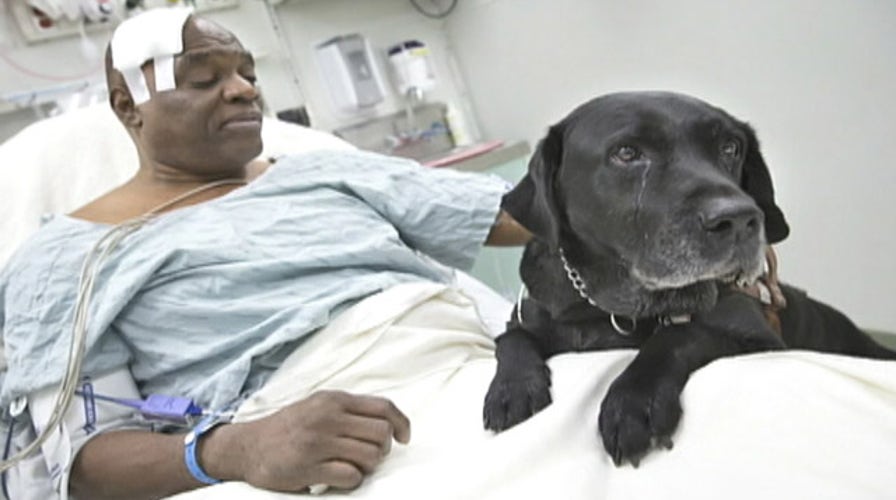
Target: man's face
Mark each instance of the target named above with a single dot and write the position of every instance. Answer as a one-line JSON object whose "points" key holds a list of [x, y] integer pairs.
{"points": [[211, 121]]}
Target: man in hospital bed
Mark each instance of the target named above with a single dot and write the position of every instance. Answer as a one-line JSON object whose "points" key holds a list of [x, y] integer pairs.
{"points": [[216, 299], [209, 297]]}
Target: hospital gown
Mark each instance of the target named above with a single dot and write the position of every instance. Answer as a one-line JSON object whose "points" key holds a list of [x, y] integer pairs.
{"points": [[206, 300]]}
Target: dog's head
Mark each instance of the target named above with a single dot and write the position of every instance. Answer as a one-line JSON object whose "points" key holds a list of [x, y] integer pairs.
{"points": [[673, 191]]}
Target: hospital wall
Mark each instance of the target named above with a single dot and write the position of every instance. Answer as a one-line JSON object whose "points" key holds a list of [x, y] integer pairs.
{"points": [[383, 23], [815, 78], [288, 74]]}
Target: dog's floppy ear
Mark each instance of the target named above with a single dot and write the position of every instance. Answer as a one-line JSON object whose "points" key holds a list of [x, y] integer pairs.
{"points": [[757, 182], [532, 201]]}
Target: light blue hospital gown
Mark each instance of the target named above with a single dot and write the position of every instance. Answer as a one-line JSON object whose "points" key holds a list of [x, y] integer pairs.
{"points": [[205, 301]]}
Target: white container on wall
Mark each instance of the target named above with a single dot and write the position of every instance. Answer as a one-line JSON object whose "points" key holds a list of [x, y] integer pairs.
{"points": [[411, 65], [349, 72]]}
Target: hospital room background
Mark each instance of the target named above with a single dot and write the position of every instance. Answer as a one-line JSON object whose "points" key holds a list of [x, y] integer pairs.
{"points": [[485, 78]]}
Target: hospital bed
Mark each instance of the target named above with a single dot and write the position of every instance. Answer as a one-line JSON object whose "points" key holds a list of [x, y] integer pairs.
{"points": [[774, 425]]}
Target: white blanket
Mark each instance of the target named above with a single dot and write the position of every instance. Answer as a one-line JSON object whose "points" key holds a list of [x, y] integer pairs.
{"points": [[778, 425]]}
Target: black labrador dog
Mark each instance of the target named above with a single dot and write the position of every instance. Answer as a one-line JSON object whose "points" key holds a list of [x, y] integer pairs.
{"points": [[653, 215]]}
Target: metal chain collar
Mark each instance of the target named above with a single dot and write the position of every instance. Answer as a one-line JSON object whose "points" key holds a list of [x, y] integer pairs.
{"points": [[578, 283]]}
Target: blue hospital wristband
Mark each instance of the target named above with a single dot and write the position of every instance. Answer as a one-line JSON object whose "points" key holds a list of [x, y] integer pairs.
{"points": [[190, 442]]}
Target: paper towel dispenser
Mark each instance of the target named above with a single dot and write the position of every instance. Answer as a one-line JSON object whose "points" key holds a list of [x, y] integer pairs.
{"points": [[349, 72]]}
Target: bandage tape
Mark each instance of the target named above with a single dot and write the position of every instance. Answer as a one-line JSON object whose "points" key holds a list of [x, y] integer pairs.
{"points": [[155, 35]]}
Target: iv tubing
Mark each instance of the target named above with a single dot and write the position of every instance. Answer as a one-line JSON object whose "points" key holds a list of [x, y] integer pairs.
{"points": [[89, 269]]}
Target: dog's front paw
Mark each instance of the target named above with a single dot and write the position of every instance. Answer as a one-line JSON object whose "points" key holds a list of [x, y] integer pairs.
{"points": [[633, 419], [515, 396]]}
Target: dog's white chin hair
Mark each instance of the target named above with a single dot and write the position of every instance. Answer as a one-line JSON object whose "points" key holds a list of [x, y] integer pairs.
{"points": [[728, 273]]}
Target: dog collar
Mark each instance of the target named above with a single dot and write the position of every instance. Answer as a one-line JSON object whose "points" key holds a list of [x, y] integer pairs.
{"points": [[578, 283], [766, 289], [576, 279]]}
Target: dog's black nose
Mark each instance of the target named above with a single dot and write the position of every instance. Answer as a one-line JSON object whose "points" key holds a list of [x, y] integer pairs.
{"points": [[726, 218]]}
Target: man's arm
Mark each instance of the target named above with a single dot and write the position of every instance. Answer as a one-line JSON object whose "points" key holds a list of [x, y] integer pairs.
{"points": [[331, 438], [506, 231]]}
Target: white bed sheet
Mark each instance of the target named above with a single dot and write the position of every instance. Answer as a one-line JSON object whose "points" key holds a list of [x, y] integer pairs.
{"points": [[778, 425]]}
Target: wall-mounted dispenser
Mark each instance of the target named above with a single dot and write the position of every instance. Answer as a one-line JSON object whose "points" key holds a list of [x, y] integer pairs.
{"points": [[349, 72], [412, 68]]}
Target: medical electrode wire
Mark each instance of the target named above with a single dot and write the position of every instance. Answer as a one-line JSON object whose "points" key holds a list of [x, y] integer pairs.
{"points": [[89, 269]]}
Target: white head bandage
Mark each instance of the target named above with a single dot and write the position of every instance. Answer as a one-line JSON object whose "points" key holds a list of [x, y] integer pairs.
{"points": [[157, 35]]}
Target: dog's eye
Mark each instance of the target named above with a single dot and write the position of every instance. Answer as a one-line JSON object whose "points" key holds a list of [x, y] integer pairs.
{"points": [[731, 149], [626, 154]]}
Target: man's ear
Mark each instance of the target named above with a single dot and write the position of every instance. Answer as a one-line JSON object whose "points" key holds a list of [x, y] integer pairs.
{"points": [[124, 108], [757, 182], [532, 202]]}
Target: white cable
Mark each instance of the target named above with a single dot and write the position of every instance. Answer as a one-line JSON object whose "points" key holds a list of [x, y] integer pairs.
{"points": [[79, 333], [286, 50], [88, 49], [89, 270]]}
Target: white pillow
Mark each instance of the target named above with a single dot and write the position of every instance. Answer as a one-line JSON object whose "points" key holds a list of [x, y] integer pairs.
{"points": [[61, 163]]}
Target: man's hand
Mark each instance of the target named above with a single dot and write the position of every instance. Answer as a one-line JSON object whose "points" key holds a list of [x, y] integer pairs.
{"points": [[331, 438], [506, 231]]}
